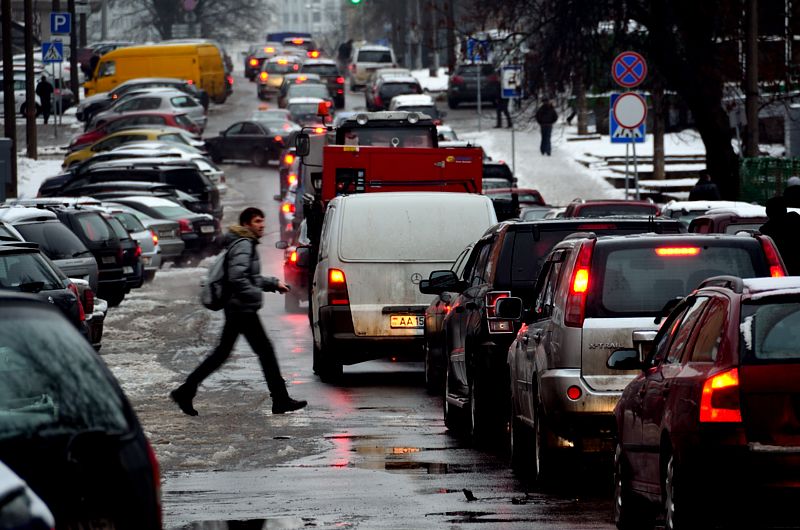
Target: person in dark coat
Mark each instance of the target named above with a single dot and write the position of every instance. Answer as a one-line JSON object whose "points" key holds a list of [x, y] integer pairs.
{"points": [[784, 228], [501, 106], [791, 194], [246, 287], [45, 92], [704, 189], [546, 116]]}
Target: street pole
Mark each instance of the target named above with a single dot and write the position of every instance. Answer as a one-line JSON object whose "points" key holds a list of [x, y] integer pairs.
{"points": [[635, 168], [478, 77], [104, 20], [73, 52], [513, 149], [82, 42], [751, 79], [30, 93], [627, 160], [9, 110]]}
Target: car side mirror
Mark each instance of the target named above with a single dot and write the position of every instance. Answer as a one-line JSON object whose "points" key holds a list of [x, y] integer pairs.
{"points": [[222, 133], [303, 257], [509, 308], [282, 245], [31, 287], [302, 144], [624, 359], [438, 282]]}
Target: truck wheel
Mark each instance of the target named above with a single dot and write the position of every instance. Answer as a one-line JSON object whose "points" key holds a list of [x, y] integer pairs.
{"points": [[290, 303], [631, 511]]}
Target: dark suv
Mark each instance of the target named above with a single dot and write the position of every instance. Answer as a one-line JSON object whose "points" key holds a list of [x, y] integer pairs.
{"points": [[328, 71], [596, 295], [463, 84], [504, 262]]}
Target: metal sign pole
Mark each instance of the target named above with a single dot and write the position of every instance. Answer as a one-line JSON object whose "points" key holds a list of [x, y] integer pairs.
{"points": [[635, 168], [513, 147], [479, 97], [627, 159]]}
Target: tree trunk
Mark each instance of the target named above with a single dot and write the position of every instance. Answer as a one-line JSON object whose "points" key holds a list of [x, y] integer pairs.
{"points": [[581, 108], [659, 172], [751, 79]]}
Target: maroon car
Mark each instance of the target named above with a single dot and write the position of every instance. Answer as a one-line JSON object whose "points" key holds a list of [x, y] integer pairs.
{"points": [[142, 119], [611, 208], [525, 196], [726, 223], [712, 422]]}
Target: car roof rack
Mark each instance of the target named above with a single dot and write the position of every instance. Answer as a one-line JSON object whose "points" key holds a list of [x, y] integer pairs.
{"points": [[733, 283]]}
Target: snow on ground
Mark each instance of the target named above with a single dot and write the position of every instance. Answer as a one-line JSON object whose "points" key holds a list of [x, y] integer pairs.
{"points": [[31, 173], [559, 178], [432, 84], [683, 143]]}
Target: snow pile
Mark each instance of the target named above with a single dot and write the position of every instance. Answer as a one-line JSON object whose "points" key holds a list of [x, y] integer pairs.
{"points": [[432, 84], [31, 173]]}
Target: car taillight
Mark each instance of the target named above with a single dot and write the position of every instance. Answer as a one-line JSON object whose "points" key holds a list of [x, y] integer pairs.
{"points": [[189, 82], [293, 256], [666, 252], [138, 251], [579, 286], [279, 138], [288, 159], [328, 104], [340, 80], [313, 54], [74, 290], [776, 267], [340, 91], [263, 76], [337, 288], [156, 474], [88, 301], [378, 100], [230, 80], [288, 207], [590, 227], [720, 399], [253, 62], [319, 130], [291, 179], [185, 226], [155, 237], [457, 80]]}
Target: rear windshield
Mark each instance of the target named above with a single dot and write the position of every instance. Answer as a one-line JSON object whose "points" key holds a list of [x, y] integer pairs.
{"points": [[119, 230], [278, 68], [308, 91], [743, 227], [56, 240], [94, 227], [21, 269], [390, 90], [388, 137], [374, 56], [522, 196], [605, 210], [184, 121], [457, 223], [188, 180], [498, 171], [469, 70], [639, 281], [129, 221], [771, 331], [493, 183], [172, 212], [184, 102], [321, 69], [303, 109], [51, 377]]}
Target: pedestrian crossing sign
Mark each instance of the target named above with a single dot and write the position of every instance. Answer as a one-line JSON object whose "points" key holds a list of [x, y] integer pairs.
{"points": [[52, 52], [623, 135]]}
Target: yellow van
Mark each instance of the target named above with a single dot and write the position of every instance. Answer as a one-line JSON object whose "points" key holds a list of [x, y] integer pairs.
{"points": [[200, 63]]}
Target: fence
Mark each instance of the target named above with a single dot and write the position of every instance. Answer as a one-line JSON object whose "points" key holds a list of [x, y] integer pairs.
{"points": [[765, 177]]}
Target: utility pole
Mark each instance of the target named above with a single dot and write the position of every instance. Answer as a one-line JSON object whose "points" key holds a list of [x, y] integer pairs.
{"points": [[9, 110], [30, 94], [73, 52], [451, 36], [751, 79], [103, 19]]}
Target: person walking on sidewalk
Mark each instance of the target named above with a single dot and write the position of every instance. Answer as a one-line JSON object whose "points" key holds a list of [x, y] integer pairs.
{"points": [[45, 92], [245, 285], [501, 107], [546, 116]]}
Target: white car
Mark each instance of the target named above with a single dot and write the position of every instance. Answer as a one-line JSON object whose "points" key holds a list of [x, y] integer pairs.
{"points": [[375, 249], [366, 60], [19, 95], [159, 99], [420, 103]]}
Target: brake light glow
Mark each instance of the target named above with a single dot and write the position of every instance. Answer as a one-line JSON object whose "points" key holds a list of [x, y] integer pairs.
{"points": [[185, 226], [328, 104], [319, 130], [269, 49], [279, 138], [574, 393], [230, 80], [138, 251], [293, 256], [340, 80], [677, 251], [720, 399], [263, 76], [253, 62], [295, 67], [337, 288], [579, 286], [776, 269], [597, 226], [297, 41], [287, 207], [88, 301], [313, 54], [302, 78], [288, 159], [491, 299], [291, 179], [283, 61], [155, 238]]}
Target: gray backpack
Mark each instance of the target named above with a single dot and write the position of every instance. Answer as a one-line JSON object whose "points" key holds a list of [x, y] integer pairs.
{"points": [[214, 291]]}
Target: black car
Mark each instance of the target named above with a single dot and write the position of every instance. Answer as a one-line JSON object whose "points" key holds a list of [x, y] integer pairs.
{"points": [[200, 232], [184, 175], [132, 266], [462, 87], [23, 268], [328, 71], [67, 428], [504, 262], [247, 140], [256, 55], [494, 172]]}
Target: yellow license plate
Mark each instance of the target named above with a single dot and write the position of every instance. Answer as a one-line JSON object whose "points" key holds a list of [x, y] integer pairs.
{"points": [[407, 321]]}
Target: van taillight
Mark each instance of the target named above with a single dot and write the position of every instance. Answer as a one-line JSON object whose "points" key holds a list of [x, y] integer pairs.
{"points": [[776, 268], [253, 62], [185, 226], [155, 237], [156, 475], [291, 179], [666, 252], [263, 76], [88, 301], [293, 256], [720, 399], [337, 288], [579, 286], [288, 159]]}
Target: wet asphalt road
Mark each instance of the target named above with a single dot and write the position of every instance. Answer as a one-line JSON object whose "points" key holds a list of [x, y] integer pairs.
{"points": [[371, 452]]}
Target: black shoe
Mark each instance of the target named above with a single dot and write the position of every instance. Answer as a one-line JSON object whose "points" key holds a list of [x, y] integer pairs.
{"points": [[287, 404], [183, 398], [498, 126]]}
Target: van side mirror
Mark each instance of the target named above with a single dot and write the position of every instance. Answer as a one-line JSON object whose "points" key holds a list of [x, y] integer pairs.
{"points": [[509, 308], [302, 144], [624, 359]]}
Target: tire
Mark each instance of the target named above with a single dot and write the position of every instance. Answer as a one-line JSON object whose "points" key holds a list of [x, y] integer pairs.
{"points": [[215, 156], [681, 509], [542, 454], [259, 158], [519, 442], [631, 511], [452, 103], [328, 370], [291, 304], [115, 297], [479, 423], [452, 416]]}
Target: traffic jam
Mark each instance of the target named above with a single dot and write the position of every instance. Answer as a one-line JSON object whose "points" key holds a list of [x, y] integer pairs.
{"points": [[428, 342]]}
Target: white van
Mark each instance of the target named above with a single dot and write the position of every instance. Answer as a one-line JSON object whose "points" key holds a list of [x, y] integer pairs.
{"points": [[375, 248], [366, 60]]}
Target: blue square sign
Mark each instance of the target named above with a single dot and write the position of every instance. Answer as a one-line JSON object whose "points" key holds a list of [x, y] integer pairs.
{"points": [[60, 23], [52, 52]]}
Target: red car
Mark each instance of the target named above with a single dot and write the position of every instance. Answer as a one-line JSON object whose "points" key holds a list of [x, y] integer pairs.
{"points": [[726, 223], [711, 426], [141, 119], [611, 208]]}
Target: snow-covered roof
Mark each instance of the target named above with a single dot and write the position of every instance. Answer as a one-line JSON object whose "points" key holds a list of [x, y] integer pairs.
{"points": [[412, 100], [742, 210], [304, 100], [18, 214], [761, 287], [150, 201], [702, 206]]}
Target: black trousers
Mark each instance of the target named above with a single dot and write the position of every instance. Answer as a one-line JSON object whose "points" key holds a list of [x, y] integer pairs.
{"points": [[501, 107], [249, 325], [45, 110]]}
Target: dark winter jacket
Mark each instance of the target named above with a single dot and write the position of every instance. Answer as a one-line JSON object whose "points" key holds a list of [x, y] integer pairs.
{"points": [[546, 115], [244, 271], [45, 92], [704, 190], [791, 195], [784, 230]]}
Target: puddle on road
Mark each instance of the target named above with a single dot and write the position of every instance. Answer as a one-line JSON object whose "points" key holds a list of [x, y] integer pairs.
{"points": [[274, 523], [481, 517]]}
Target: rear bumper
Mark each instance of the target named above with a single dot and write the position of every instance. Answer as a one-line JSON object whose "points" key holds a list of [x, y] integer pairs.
{"points": [[197, 243], [95, 321], [590, 418], [171, 249], [341, 341]]}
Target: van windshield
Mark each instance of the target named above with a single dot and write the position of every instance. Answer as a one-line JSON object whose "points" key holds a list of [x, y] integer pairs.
{"points": [[423, 229]]}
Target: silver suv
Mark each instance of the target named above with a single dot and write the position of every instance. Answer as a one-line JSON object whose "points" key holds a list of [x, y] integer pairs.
{"points": [[595, 295]]}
